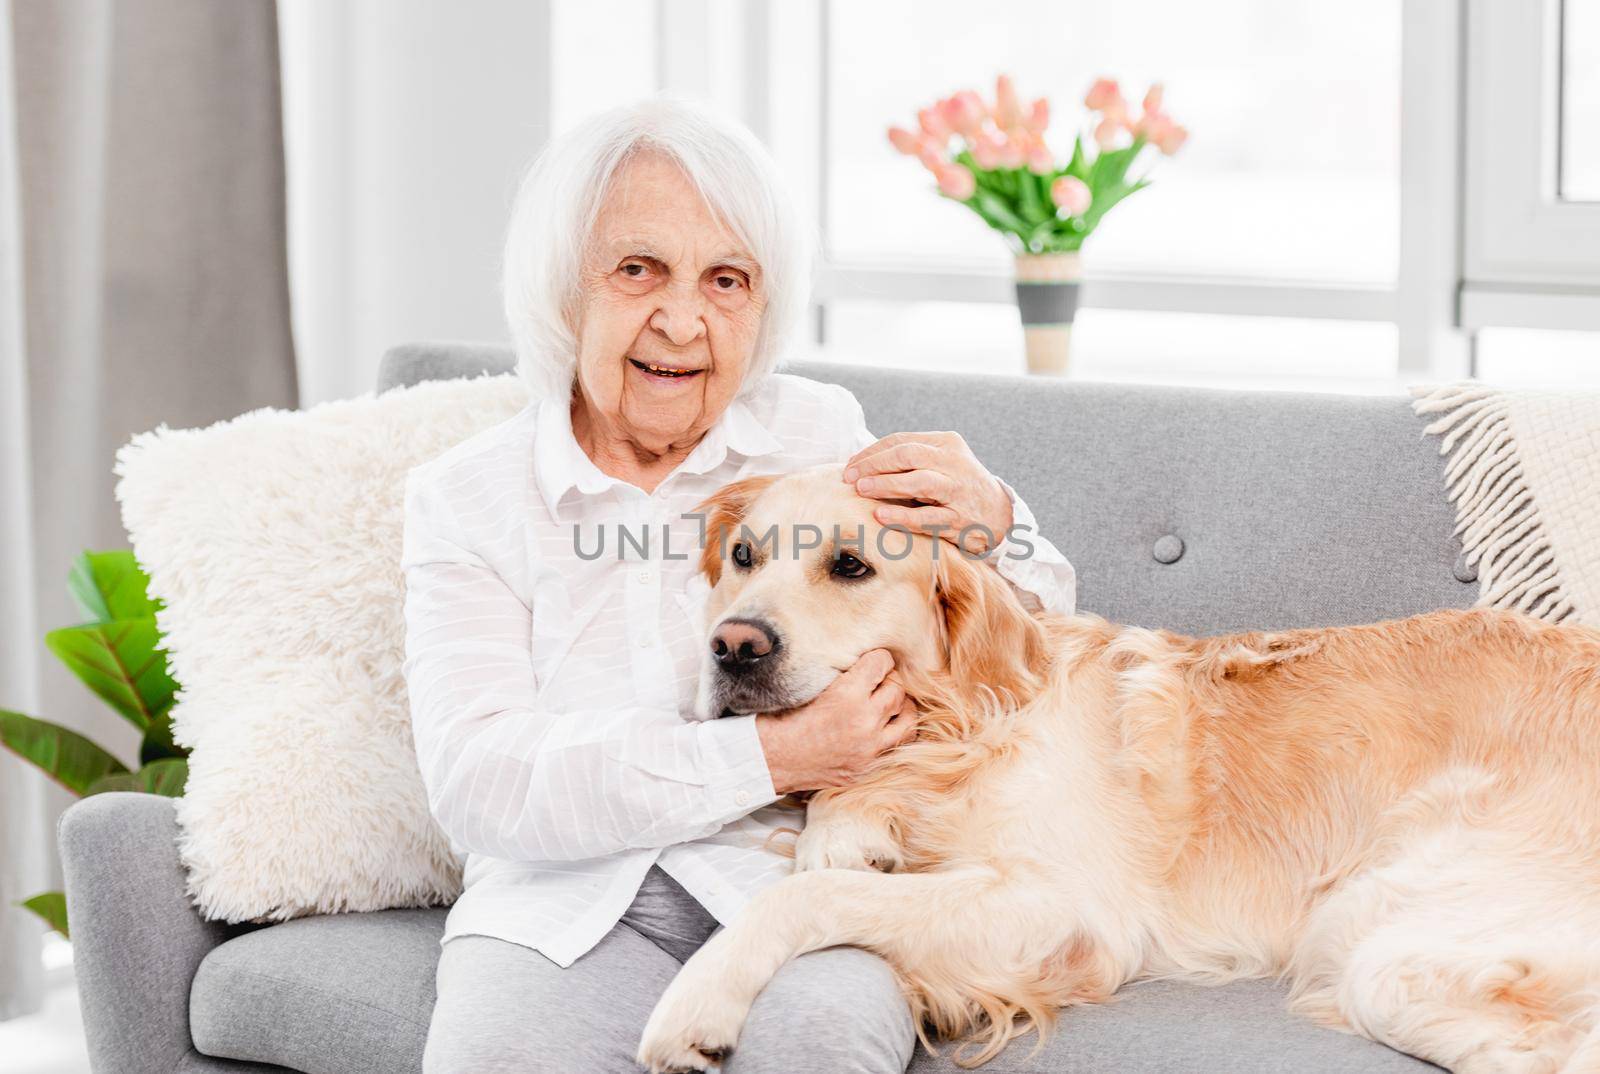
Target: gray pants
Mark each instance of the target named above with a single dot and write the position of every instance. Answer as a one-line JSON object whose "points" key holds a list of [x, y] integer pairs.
{"points": [[505, 1008]]}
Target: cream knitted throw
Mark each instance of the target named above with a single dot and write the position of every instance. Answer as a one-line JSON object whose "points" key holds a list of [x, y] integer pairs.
{"points": [[1524, 475]]}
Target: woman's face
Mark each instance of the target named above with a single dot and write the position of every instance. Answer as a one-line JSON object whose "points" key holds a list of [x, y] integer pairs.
{"points": [[670, 310]]}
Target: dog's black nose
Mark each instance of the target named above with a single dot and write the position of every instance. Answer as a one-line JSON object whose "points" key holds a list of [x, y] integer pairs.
{"points": [[741, 644]]}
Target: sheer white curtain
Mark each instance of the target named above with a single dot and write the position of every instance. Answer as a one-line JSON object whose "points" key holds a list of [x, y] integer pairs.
{"points": [[144, 281]]}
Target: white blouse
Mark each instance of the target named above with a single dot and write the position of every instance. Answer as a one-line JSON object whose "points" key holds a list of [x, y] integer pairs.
{"points": [[551, 686]]}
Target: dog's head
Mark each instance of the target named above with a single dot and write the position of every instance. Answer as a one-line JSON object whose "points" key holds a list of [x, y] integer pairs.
{"points": [[804, 581]]}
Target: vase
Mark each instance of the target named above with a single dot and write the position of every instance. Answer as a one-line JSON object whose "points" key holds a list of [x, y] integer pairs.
{"points": [[1047, 297]]}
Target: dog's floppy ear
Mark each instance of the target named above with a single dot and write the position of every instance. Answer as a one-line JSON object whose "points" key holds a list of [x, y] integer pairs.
{"points": [[993, 640], [724, 510]]}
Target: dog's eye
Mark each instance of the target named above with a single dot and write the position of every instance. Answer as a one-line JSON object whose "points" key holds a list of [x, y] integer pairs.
{"points": [[847, 566], [741, 555]]}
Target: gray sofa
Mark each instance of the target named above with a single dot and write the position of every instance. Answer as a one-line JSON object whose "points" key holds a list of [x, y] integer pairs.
{"points": [[1199, 511]]}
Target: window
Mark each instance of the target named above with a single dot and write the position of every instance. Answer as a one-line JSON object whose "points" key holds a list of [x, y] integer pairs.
{"points": [[1532, 234], [1285, 205], [1580, 100]]}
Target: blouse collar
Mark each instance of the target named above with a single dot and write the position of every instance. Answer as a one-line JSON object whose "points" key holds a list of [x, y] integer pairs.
{"points": [[562, 465]]}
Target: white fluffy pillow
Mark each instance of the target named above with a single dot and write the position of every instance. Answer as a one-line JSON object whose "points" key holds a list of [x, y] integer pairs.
{"points": [[274, 539]]}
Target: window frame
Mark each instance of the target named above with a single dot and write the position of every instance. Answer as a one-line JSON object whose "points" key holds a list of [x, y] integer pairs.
{"points": [[1524, 234], [1532, 259]]}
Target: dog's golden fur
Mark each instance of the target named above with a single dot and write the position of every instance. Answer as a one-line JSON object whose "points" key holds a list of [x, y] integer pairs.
{"points": [[1402, 819]]}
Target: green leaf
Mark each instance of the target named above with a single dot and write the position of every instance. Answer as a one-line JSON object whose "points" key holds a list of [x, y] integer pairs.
{"points": [[1001, 212], [1111, 169], [1075, 166], [120, 662], [1035, 205], [157, 744], [110, 585], [52, 906], [1107, 200], [166, 778], [65, 756]]}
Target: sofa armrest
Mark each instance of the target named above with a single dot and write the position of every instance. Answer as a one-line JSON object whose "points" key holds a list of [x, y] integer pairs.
{"points": [[136, 937]]}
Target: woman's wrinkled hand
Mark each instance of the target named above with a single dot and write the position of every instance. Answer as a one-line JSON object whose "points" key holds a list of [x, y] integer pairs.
{"points": [[832, 739], [958, 499]]}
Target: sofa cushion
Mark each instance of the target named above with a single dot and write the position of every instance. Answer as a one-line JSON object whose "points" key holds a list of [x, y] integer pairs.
{"points": [[352, 994], [336, 994], [1166, 1027]]}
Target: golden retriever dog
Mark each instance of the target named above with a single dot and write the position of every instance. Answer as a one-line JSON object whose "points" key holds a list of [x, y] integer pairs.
{"points": [[1401, 820]]}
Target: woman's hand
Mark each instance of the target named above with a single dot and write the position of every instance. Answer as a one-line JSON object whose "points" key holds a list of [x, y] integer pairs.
{"points": [[831, 740], [939, 471]]}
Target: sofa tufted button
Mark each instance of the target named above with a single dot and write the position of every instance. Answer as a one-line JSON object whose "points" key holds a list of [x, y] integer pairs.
{"points": [[1464, 571], [1168, 549]]}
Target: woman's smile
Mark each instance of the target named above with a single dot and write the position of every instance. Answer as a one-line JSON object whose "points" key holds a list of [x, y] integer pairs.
{"points": [[664, 373]]}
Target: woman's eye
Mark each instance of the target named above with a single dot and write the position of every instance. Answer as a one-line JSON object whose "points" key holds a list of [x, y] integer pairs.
{"points": [[741, 555], [634, 269], [726, 282], [847, 566]]}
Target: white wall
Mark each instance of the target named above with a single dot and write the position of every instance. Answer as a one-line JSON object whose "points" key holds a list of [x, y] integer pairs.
{"points": [[407, 125]]}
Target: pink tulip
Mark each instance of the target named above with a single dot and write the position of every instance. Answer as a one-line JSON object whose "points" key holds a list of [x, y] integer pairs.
{"points": [[933, 124], [1011, 154], [931, 158], [964, 113], [956, 182], [1153, 126], [1105, 93], [1117, 110], [986, 151], [1040, 160], [1071, 194], [1152, 99], [1172, 139], [949, 110], [1038, 116], [906, 142], [1007, 110], [1107, 133]]}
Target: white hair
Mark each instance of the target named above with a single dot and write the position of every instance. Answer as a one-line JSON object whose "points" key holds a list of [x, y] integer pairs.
{"points": [[560, 198]]}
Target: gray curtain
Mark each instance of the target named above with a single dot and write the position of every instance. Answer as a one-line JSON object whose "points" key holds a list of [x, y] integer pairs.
{"points": [[149, 286]]}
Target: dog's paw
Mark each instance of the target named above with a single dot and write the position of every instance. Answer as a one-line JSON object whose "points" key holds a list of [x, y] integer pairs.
{"points": [[690, 1030], [677, 1058], [845, 843]]}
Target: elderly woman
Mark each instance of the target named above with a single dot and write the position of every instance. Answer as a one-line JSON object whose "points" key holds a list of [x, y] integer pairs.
{"points": [[654, 268]]}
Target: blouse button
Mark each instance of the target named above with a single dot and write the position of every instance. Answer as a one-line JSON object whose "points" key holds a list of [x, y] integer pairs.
{"points": [[644, 575], [741, 797], [644, 643]]}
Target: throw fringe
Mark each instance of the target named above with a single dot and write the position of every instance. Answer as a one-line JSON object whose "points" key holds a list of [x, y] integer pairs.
{"points": [[1501, 530]]}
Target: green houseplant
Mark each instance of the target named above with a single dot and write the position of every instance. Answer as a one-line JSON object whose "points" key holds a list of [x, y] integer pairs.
{"points": [[116, 653]]}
